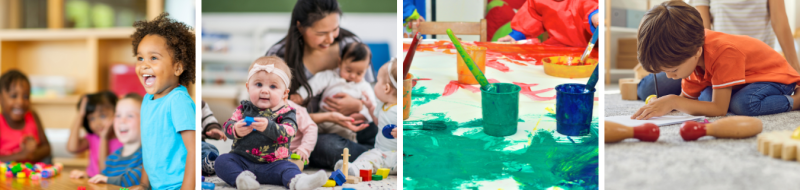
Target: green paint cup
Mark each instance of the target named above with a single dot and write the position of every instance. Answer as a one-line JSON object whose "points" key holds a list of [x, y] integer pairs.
{"points": [[500, 109]]}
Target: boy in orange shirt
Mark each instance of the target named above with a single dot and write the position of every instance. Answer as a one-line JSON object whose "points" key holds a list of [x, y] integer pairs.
{"points": [[724, 72]]}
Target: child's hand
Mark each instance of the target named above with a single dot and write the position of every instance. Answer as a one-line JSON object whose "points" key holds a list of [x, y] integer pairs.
{"points": [[414, 24], [77, 174], [303, 155], [216, 134], [242, 130], [82, 108], [296, 98], [260, 123], [358, 118], [656, 108], [99, 178], [595, 20], [367, 102], [506, 38], [347, 122], [394, 133]]}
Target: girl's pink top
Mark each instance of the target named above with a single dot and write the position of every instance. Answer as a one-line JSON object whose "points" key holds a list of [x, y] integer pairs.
{"points": [[11, 139], [94, 149], [306, 137]]}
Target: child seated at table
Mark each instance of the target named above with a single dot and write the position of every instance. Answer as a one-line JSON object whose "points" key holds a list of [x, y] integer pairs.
{"points": [[22, 138], [124, 166], [384, 155], [348, 78], [96, 116], [260, 146], [567, 22]]}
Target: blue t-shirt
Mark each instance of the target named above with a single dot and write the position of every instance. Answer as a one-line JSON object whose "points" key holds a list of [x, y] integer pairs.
{"points": [[164, 153]]}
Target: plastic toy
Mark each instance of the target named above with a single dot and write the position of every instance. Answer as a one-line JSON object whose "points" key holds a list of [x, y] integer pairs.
{"points": [[329, 183], [338, 177], [377, 177], [208, 186], [30, 171], [616, 132], [347, 188], [295, 158], [81, 188], [366, 175], [729, 127], [387, 131], [383, 172]]}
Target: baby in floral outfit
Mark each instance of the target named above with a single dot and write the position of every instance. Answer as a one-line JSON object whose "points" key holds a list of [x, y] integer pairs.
{"points": [[260, 150]]}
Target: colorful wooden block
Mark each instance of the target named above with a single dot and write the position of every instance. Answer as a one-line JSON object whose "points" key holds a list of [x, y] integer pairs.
{"points": [[377, 177], [329, 183], [383, 172], [366, 175]]}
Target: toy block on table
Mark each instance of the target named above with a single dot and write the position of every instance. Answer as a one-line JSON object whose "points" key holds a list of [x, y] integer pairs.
{"points": [[377, 177], [383, 172], [366, 175], [627, 88], [338, 177]]}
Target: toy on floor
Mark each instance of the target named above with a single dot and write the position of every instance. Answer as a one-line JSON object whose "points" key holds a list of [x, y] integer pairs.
{"points": [[35, 171], [383, 172], [377, 177], [338, 177], [780, 144], [366, 175], [249, 111], [295, 158], [208, 186], [616, 132], [346, 165], [729, 127], [329, 183]]}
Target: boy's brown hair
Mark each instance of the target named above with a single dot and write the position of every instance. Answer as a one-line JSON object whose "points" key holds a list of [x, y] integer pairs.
{"points": [[670, 33], [180, 40]]}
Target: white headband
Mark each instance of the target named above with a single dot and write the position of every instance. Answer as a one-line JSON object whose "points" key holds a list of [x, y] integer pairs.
{"points": [[394, 83], [269, 69]]}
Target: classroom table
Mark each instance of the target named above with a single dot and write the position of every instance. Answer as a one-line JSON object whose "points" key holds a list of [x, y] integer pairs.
{"points": [[61, 181], [463, 156]]}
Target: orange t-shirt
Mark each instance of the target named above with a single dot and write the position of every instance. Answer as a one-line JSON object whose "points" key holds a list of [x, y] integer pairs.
{"points": [[732, 60]]}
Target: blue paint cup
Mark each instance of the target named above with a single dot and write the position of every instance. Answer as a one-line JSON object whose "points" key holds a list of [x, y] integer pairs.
{"points": [[574, 104], [500, 109]]}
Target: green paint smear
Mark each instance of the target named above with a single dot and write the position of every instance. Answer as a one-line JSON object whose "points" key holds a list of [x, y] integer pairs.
{"points": [[419, 97], [455, 160]]}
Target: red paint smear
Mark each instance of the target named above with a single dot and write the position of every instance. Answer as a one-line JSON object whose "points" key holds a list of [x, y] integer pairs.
{"points": [[493, 81], [497, 65], [450, 88], [596, 98], [540, 91], [526, 90], [469, 87], [525, 85], [454, 85]]}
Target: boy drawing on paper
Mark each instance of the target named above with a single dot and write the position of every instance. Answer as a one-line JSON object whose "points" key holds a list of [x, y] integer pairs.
{"points": [[724, 72]]}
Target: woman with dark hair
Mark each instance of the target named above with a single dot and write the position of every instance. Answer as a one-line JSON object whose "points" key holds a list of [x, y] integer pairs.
{"points": [[315, 43]]}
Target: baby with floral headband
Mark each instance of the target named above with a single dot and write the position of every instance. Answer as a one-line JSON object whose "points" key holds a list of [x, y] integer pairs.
{"points": [[261, 129]]}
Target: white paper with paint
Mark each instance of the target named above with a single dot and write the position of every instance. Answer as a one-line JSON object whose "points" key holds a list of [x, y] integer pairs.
{"points": [[660, 121]]}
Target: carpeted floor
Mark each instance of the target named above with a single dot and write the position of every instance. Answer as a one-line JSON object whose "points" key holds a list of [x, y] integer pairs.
{"points": [[390, 183], [709, 163]]}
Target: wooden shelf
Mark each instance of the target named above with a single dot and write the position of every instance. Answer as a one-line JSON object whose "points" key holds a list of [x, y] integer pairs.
{"points": [[64, 34], [70, 100]]}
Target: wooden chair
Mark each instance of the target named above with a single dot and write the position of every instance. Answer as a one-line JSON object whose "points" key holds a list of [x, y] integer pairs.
{"points": [[458, 28]]}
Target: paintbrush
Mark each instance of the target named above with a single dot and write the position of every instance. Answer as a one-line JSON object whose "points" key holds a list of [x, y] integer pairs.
{"points": [[424, 125], [589, 47], [470, 64], [410, 55], [592, 80]]}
